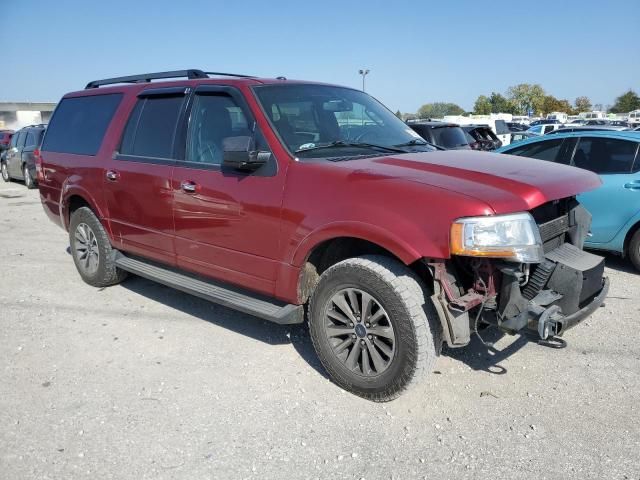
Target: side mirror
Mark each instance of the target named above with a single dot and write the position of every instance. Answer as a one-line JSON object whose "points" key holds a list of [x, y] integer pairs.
{"points": [[239, 153]]}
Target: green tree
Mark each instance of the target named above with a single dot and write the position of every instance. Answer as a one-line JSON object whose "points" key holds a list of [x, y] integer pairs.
{"points": [[552, 104], [399, 114], [499, 104], [482, 106], [626, 102], [525, 96], [439, 110], [583, 104]]}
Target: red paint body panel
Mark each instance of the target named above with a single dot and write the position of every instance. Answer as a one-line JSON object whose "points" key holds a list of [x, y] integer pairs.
{"points": [[257, 231]]}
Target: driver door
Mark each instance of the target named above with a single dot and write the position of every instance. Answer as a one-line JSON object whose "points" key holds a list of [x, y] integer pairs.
{"points": [[227, 222]]}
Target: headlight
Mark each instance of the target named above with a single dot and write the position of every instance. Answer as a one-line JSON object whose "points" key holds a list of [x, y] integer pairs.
{"points": [[511, 237]]}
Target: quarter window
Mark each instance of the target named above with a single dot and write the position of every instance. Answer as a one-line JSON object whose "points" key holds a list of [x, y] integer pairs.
{"points": [[605, 155], [79, 124], [151, 128]]}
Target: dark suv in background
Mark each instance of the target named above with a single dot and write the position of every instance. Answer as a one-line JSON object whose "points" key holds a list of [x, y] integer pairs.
{"points": [[442, 134], [481, 137], [19, 162]]}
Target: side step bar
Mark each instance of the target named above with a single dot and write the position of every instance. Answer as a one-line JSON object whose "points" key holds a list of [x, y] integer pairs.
{"points": [[232, 297]]}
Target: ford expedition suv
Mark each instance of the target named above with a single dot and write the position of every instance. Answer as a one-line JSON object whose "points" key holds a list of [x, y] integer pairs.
{"points": [[290, 200]]}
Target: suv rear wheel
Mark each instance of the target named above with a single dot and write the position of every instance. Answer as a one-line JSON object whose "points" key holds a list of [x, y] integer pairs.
{"points": [[92, 252], [28, 180], [373, 327], [5, 172]]}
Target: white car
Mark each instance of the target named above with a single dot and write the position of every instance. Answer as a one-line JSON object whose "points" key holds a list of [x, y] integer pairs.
{"points": [[544, 128]]}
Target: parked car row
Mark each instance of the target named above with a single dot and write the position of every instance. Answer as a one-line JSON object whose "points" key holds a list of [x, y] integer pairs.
{"points": [[18, 161]]}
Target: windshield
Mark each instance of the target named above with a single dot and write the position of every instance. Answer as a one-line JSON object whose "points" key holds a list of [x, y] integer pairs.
{"points": [[316, 121]]}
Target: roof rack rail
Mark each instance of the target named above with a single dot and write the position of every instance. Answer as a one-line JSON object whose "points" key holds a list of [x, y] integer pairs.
{"points": [[191, 74]]}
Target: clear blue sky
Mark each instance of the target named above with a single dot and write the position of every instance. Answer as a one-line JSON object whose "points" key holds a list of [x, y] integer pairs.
{"points": [[417, 51]]}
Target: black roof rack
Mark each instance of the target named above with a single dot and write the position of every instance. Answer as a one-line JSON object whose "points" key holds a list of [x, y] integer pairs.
{"points": [[191, 74]]}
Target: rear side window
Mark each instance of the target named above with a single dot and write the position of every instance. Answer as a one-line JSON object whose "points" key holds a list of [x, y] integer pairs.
{"points": [[79, 124], [151, 127], [605, 155], [21, 137], [547, 150], [449, 137], [30, 141]]}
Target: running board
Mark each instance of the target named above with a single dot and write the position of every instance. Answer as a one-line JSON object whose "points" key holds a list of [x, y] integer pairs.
{"points": [[241, 300]]}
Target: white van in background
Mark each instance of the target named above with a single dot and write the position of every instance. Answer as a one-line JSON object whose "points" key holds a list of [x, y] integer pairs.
{"points": [[559, 116], [595, 115], [634, 119]]}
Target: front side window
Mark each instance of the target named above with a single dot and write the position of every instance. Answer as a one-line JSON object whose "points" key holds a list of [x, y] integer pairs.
{"points": [[310, 118], [151, 127], [213, 118], [605, 155]]}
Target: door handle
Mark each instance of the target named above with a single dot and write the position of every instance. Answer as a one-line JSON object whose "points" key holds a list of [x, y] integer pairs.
{"points": [[112, 175], [189, 187], [632, 186]]}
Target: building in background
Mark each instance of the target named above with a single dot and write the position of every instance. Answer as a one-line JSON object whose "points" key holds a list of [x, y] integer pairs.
{"points": [[15, 115]]}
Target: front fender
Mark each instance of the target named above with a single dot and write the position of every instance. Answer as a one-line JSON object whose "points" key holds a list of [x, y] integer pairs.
{"points": [[361, 230]]}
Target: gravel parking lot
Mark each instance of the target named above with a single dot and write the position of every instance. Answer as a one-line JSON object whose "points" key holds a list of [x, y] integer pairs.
{"points": [[140, 381]]}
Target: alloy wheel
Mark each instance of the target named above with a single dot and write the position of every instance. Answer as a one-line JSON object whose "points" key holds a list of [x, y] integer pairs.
{"points": [[86, 249], [360, 332]]}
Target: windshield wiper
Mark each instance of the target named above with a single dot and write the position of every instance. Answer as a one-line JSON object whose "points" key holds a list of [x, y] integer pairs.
{"points": [[342, 143], [420, 142]]}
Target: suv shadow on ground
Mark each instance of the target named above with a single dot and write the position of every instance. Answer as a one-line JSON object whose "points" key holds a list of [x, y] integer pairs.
{"points": [[476, 355], [241, 323]]}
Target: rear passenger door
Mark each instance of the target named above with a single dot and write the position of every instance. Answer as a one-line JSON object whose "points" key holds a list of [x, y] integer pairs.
{"points": [[30, 145], [137, 180], [618, 199]]}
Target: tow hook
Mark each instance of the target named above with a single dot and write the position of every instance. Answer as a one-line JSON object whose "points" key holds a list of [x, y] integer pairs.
{"points": [[549, 324]]}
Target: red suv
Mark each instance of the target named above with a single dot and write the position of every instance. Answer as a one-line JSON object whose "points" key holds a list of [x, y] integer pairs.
{"points": [[290, 200]]}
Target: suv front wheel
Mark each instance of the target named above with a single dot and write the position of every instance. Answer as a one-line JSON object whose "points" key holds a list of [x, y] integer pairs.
{"points": [[374, 327], [92, 252]]}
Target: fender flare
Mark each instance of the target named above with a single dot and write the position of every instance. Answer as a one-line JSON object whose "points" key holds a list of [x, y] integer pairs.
{"points": [[69, 191]]}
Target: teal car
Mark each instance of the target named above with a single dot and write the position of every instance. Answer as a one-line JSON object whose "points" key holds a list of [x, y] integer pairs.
{"points": [[615, 206]]}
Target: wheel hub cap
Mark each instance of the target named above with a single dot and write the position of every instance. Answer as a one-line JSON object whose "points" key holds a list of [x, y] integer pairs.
{"points": [[360, 332], [86, 249]]}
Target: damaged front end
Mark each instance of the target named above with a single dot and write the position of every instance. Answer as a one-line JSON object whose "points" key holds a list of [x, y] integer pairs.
{"points": [[563, 287]]}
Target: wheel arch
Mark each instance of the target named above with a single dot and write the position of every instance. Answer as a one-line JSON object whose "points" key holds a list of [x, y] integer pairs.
{"points": [[328, 251], [74, 198]]}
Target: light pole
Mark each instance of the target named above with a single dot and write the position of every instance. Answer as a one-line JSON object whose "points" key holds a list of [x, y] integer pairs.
{"points": [[364, 73]]}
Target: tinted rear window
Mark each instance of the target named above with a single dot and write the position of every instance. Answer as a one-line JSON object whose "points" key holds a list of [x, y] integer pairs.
{"points": [[449, 137], [79, 124]]}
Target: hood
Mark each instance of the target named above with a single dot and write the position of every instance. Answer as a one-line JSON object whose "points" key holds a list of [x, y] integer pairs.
{"points": [[505, 182]]}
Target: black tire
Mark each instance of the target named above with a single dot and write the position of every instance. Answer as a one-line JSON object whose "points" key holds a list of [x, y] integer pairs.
{"points": [[103, 271], [634, 250], [5, 172], [28, 179], [409, 311]]}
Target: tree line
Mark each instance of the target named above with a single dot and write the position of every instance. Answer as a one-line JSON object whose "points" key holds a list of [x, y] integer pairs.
{"points": [[522, 98]]}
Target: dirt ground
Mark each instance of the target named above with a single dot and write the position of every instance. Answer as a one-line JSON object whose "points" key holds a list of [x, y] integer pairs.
{"points": [[138, 381]]}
